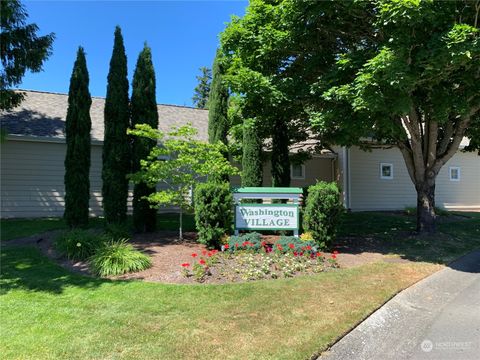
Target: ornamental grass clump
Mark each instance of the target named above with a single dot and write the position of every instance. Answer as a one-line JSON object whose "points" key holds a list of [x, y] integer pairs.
{"points": [[78, 244], [118, 257]]}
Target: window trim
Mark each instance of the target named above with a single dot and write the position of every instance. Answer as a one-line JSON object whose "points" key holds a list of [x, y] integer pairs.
{"points": [[297, 177], [459, 171], [383, 177]]}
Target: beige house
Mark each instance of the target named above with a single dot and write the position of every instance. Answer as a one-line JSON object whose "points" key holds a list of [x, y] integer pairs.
{"points": [[33, 154]]}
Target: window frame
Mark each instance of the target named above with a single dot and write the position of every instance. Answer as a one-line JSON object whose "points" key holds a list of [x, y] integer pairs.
{"points": [[459, 172], [383, 177], [297, 177]]}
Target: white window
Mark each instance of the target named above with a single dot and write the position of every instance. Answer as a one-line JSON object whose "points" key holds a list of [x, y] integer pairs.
{"points": [[386, 171], [297, 171], [454, 172]]}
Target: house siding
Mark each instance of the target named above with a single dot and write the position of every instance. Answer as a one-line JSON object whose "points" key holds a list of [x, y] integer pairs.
{"points": [[370, 192]]}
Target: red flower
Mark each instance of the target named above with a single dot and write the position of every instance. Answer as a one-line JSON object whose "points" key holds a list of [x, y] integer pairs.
{"points": [[202, 262], [335, 252], [295, 253], [194, 255], [185, 264], [319, 254], [204, 252], [226, 246], [309, 247], [236, 245], [334, 256], [264, 243], [279, 247], [209, 254], [291, 246]]}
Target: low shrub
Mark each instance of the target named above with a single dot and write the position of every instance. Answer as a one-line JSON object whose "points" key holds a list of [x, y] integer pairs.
{"points": [[248, 241], [117, 232], [322, 213], [78, 244], [118, 257], [213, 204], [296, 245]]}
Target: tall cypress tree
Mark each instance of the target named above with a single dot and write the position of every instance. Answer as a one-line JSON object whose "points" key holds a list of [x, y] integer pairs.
{"points": [[218, 104], [252, 167], [116, 149], [280, 159], [77, 159], [144, 111]]}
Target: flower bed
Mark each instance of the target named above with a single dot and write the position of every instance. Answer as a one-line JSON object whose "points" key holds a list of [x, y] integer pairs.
{"points": [[256, 261]]}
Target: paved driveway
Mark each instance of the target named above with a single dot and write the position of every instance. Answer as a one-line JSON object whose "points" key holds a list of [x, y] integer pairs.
{"points": [[437, 318]]}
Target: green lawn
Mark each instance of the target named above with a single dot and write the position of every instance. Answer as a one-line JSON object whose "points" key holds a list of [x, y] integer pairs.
{"points": [[17, 228], [48, 312]]}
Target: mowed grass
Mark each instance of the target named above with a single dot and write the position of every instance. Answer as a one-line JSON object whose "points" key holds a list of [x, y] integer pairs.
{"points": [[48, 312], [17, 228]]}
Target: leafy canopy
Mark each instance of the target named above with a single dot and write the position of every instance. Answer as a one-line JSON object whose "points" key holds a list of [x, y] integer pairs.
{"points": [[180, 162]]}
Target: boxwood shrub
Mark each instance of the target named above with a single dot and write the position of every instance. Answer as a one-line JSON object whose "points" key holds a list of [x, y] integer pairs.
{"points": [[213, 204], [323, 209]]}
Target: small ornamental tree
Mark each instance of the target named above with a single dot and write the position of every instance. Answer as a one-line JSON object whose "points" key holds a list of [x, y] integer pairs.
{"points": [[252, 167], [77, 159], [116, 146], [178, 164], [144, 111]]}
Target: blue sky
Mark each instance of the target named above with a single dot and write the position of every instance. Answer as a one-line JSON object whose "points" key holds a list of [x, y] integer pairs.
{"points": [[183, 36]]}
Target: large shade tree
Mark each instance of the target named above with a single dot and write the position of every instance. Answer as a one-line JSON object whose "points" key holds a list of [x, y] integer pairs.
{"points": [[21, 50], [403, 73], [144, 111], [116, 146], [77, 159]]}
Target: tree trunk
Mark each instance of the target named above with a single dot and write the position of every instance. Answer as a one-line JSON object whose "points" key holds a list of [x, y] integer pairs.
{"points": [[426, 208]]}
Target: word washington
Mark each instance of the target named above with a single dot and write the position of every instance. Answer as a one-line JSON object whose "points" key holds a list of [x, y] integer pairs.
{"points": [[262, 212]]}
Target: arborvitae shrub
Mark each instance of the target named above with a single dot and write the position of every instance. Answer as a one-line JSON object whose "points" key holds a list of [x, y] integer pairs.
{"points": [[213, 212], [323, 209]]}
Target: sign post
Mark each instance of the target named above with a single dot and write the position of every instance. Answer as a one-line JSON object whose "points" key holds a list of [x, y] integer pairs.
{"points": [[267, 216]]}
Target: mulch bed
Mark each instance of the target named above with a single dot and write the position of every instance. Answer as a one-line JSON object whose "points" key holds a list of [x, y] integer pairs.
{"points": [[167, 253]]}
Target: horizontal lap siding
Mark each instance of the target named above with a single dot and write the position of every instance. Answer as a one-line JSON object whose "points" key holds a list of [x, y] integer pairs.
{"points": [[32, 179], [369, 192]]}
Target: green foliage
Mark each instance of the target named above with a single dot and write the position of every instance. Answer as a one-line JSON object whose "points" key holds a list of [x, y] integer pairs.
{"points": [[118, 257], [213, 204], [280, 155], [116, 145], [252, 167], [179, 164], [78, 244], [218, 105], [77, 132], [117, 232], [144, 111], [248, 241], [322, 212], [21, 50], [294, 244], [202, 90]]}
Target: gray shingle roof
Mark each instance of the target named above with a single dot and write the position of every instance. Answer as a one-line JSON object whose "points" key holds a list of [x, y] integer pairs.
{"points": [[43, 114]]}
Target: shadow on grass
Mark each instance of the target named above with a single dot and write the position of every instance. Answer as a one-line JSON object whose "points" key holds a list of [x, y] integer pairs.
{"points": [[25, 268], [393, 233]]}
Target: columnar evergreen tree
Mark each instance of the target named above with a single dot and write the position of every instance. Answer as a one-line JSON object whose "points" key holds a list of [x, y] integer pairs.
{"points": [[218, 105], [280, 159], [252, 168], [144, 111], [202, 90], [77, 160], [116, 147]]}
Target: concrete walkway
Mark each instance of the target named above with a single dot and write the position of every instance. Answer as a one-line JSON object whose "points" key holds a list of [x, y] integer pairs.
{"points": [[437, 318]]}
